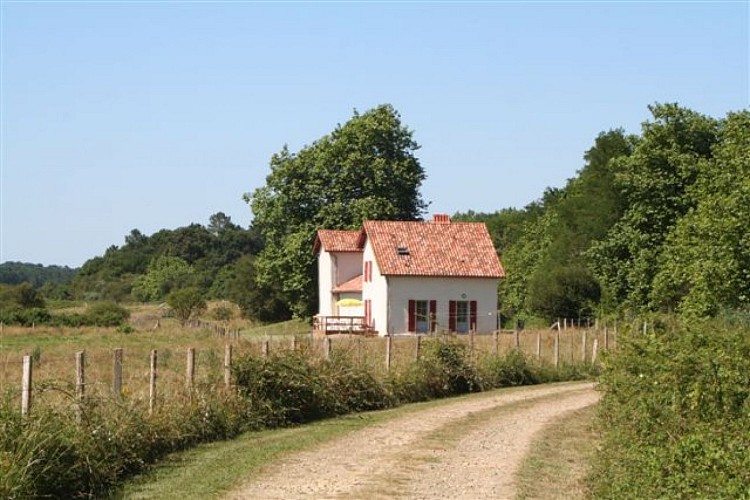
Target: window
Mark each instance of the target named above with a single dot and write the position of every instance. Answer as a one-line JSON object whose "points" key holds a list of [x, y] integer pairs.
{"points": [[422, 316], [462, 315]]}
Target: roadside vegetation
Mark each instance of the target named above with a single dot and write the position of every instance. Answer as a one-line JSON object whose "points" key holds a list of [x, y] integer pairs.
{"points": [[676, 412], [71, 450]]}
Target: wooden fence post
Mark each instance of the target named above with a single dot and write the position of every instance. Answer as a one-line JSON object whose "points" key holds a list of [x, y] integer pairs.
{"points": [[417, 347], [152, 383], [294, 343], [359, 349], [190, 371], [388, 347], [495, 342], [327, 347], [117, 372], [80, 383], [594, 350], [516, 338], [228, 366], [265, 348], [557, 346], [80, 374], [584, 343], [26, 386], [539, 344], [472, 343], [606, 338]]}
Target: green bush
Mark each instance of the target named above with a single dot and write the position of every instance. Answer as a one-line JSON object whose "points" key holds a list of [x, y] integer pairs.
{"points": [[106, 314], [676, 414]]}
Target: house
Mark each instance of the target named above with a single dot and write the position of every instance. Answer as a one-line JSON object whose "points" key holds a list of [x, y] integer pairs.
{"points": [[395, 277]]}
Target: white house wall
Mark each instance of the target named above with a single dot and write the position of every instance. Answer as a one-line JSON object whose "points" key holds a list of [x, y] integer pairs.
{"points": [[402, 289], [347, 265], [325, 283], [377, 292], [335, 268]]}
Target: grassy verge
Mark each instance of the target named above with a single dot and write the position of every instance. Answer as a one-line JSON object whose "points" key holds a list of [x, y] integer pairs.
{"points": [[558, 462]]}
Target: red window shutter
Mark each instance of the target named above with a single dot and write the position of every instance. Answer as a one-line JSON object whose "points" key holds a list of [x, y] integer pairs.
{"points": [[433, 315], [412, 316], [473, 312], [369, 270], [452, 315]]}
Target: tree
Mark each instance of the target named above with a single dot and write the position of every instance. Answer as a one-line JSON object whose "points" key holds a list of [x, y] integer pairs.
{"points": [[164, 274], [705, 264], [366, 168], [185, 302], [656, 181]]}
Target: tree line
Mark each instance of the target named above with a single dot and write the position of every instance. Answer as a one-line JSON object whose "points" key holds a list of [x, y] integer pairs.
{"points": [[655, 221]]}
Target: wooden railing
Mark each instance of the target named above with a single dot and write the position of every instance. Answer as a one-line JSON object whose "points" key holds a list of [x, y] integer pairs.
{"points": [[340, 324]]}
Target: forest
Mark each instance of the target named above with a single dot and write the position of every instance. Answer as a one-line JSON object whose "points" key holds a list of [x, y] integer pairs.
{"points": [[651, 222]]}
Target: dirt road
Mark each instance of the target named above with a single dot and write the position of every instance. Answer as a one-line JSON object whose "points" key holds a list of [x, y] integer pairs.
{"points": [[469, 449]]}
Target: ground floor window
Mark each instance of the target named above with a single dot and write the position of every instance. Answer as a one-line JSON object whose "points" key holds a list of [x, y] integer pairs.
{"points": [[462, 315], [422, 316]]}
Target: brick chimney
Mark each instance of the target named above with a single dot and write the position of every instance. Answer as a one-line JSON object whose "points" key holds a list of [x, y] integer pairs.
{"points": [[441, 219]]}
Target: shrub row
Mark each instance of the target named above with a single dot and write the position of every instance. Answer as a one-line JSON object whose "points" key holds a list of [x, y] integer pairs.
{"points": [[102, 314], [56, 453], [676, 414]]}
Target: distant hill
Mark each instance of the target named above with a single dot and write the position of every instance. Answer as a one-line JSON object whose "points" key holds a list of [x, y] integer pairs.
{"points": [[13, 273]]}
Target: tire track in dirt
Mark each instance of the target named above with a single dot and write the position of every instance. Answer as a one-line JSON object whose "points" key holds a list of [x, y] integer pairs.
{"points": [[469, 448]]}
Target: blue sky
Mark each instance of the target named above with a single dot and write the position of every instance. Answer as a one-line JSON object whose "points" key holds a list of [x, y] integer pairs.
{"points": [[151, 115]]}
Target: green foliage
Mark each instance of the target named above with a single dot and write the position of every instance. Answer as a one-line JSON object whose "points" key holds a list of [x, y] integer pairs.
{"points": [[51, 455], [106, 314], [675, 414], [257, 301], [162, 276], [206, 249], [222, 312], [705, 264], [21, 296], [15, 273], [563, 292], [291, 388], [185, 302], [365, 168], [656, 181]]}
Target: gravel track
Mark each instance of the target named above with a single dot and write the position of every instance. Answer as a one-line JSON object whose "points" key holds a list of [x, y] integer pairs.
{"points": [[469, 448]]}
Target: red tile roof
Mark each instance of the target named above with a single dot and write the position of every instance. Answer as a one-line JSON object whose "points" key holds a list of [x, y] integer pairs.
{"points": [[454, 249], [337, 241], [353, 285]]}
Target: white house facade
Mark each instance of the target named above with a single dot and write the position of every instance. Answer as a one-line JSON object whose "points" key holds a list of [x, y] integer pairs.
{"points": [[411, 277]]}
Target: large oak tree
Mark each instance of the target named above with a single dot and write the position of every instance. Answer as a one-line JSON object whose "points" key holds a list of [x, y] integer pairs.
{"points": [[364, 169]]}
